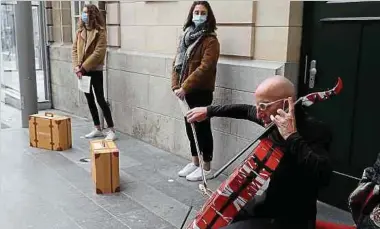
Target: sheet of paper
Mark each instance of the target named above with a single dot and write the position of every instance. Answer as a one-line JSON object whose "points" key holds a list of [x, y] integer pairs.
{"points": [[84, 84], [184, 107]]}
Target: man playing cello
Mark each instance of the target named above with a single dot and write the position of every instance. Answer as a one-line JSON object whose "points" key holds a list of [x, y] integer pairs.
{"points": [[291, 198]]}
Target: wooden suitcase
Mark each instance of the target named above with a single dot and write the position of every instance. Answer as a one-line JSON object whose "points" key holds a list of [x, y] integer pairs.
{"points": [[105, 166], [50, 131]]}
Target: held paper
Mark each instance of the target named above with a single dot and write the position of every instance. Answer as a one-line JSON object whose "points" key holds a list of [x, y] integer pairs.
{"points": [[84, 84]]}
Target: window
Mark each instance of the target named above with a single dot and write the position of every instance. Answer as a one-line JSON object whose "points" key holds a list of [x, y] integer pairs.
{"points": [[76, 12]]}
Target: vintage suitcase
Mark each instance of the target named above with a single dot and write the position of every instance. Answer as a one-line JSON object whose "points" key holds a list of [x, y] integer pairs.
{"points": [[105, 166], [50, 131]]}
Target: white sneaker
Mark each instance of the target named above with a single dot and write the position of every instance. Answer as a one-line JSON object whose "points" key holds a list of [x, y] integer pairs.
{"points": [[111, 136], [197, 175], [189, 168], [95, 133]]}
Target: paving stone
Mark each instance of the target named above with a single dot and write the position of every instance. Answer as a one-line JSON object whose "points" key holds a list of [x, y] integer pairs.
{"points": [[126, 161], [157, 202], [143, 219], [181, 193], [108, 224], [121, 205], [77, 176], [174, 188]]}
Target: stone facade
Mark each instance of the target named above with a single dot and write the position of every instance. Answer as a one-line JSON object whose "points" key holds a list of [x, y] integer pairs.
{"points": [[258, 39]]}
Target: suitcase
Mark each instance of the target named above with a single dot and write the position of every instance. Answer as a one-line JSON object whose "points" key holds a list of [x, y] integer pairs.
{"points": [[50, 131], [105, 166]]}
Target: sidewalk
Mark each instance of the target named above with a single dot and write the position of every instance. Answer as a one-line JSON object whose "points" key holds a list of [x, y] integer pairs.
{"points": [[44, 189]]}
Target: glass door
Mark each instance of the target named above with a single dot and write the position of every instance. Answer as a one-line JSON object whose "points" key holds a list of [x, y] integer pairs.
{"points": [[10, 80]]}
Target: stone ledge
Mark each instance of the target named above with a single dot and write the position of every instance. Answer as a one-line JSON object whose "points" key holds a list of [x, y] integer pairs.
{"points": [[247, 73]]}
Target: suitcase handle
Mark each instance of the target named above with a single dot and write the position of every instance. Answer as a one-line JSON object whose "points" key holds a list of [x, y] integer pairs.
{"points": [[49, 114]]}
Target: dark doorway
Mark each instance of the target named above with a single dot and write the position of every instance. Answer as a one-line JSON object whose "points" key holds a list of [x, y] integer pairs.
{"points": [[342, 40]]}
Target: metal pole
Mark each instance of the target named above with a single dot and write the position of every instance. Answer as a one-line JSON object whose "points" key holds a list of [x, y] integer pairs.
{"points": [[26, 60]]}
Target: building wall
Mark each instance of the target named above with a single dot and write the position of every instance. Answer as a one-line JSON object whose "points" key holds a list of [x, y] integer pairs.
{"points": [[258, 39]]}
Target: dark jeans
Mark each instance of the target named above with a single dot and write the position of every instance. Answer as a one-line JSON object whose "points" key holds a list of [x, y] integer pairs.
{"points": [[202, 129], [97, 87]]}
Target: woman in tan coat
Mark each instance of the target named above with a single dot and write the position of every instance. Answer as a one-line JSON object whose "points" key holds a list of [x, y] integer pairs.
{"points": [[88, 52], [193, 80]]}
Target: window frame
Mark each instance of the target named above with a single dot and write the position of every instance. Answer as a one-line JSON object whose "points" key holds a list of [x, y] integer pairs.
{"points": [[76, 9]]}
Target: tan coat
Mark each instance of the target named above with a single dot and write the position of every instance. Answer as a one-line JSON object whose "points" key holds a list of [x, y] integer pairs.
{"points": [[201, 70], [94, 52]]}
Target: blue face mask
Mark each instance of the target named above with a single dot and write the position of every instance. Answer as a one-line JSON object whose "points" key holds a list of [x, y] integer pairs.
{"points": [[84, 17], [199, 19]]}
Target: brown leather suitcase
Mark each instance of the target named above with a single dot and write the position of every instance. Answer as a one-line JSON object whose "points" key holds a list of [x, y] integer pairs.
{"points": [[50, 131], [105, 166]]}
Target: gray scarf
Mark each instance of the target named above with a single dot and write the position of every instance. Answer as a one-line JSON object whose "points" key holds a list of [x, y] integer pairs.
{"points": [[188, 41]]}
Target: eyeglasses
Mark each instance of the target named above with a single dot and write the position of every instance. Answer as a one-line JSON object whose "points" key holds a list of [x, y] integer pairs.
{"points": [[264, 106]]}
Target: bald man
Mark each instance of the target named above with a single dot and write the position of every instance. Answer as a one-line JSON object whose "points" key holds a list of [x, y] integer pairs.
{"points": [[290, 200]]}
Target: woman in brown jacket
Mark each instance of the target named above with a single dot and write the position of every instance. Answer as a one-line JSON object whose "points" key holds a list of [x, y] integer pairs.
{"points": [[88, 52], [193, 80]]}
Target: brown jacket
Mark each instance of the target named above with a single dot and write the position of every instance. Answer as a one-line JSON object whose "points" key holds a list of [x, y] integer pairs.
{"points": [[201, 70], [93, 53]]}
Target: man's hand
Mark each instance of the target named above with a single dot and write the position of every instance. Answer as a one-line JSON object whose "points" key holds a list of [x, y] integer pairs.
{"points": [[197, 114], [180, 93], [286, 122]]}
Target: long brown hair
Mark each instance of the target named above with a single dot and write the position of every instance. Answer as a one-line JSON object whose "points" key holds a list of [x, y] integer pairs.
{"points": [[210, 22], [95, 18]]}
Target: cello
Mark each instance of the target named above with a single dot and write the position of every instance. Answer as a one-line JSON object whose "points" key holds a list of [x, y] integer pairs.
{"points": [[250, 178]]}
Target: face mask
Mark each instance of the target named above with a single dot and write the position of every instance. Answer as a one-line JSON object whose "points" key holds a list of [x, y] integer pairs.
{"points": [[84, 17], [199, 19]]}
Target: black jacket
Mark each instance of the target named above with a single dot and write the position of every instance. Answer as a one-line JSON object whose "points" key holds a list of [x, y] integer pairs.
{"points": [[305, 168]]}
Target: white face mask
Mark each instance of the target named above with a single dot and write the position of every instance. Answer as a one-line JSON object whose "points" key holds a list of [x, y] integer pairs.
{"points": [[199, 19]]}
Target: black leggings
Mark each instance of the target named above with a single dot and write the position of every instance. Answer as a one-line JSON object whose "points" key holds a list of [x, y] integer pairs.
{"points": [[97, 87], [202, 129]]}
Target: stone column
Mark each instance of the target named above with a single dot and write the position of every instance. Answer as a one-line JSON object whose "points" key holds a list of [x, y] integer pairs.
{"points": [[26, 61]]}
